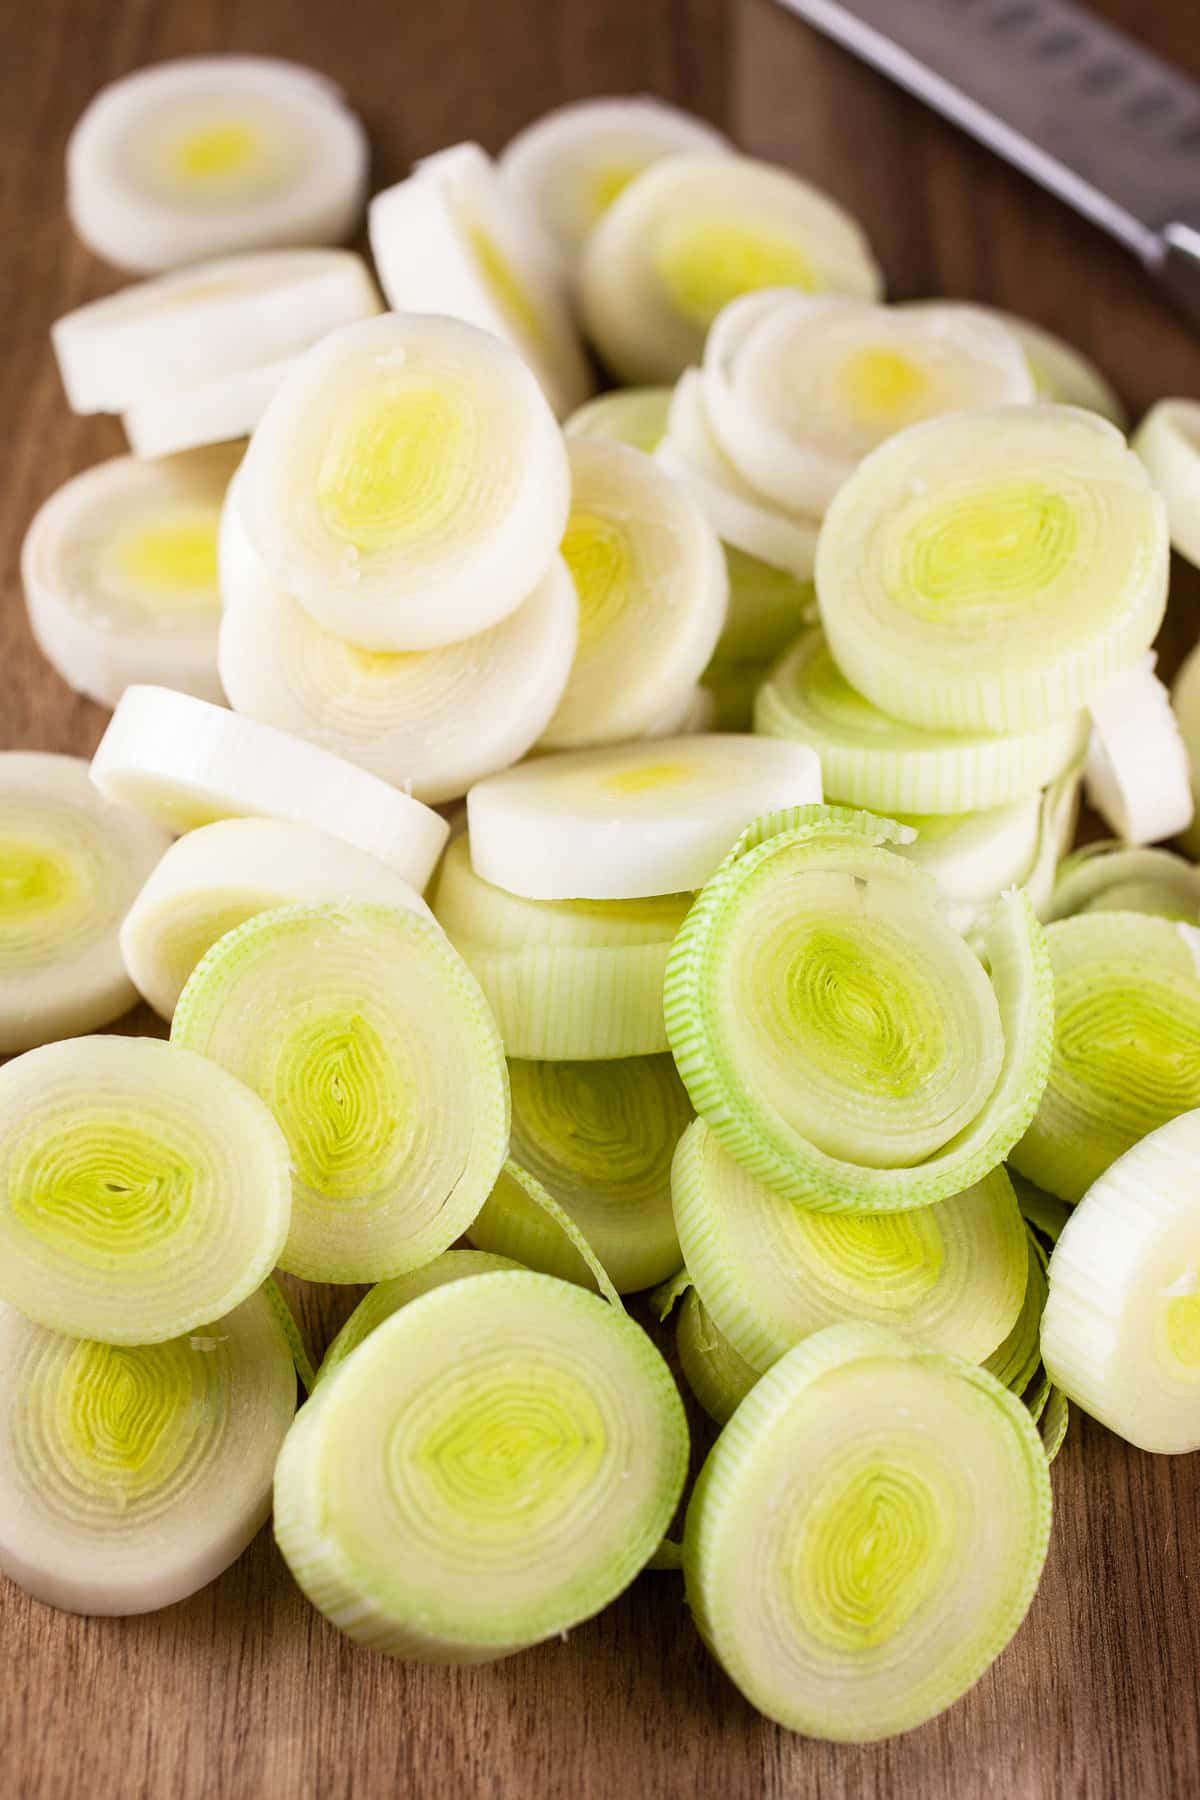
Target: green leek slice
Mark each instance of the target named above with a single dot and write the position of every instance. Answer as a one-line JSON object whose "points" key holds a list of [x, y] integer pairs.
{"points": [[1046, 1214], [522, 1220], [1014, 1362], [1113, 877], [387, 1297], [716, 1374]]}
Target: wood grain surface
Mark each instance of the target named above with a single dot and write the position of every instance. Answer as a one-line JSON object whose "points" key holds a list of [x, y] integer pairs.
{"points": [[243, 1690]]}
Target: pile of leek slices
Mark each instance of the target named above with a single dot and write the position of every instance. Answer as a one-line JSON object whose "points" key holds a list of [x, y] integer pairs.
{"points": [[757, 977]]}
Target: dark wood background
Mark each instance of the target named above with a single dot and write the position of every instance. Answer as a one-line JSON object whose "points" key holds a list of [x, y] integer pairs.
{"points": [[243, 1690]]}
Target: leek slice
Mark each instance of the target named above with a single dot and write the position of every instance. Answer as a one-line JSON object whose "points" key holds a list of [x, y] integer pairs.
{"points": [[455, 238], [975, 857], [521, 1214], [869, 759], [371, 1043], [143, 1190], [770, 1273], [208, 154], [1060, 371], [1126, 1045], [494, 1464], [866, 1534], [1055, 1418], [132, 1476], [431, 722], [1014, 1362], [799, 388], [573, 162], [633, 416], [712, 1368], [301, 1360], [214, 412], [185, 763], [221, 875], [1042, 1211], [1168, 442], [70, 865], [630, 821], [836, 1032], [387, 1297], [407, 484], [120, 574], [650, 576], [689, 235], [1137, 776], [993, 570], [1108, 877], [599, 1137], [1120, 1334], [1185, 699]]}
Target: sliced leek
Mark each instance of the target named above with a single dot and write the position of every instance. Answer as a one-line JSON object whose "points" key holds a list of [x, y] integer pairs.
{"points": [[867, 1534], [1014, 1362], [1060, 371], [630, 821], [217, 877], [689, 235], [494, 1464], [431, 722], [1042, 1211], [186, 763], [387, 1297], [370, 1042], [143, 1191], [844, 1043], [1121, 1331], [120, 574], [211, 412], [634, 416], [712, 1368], [653, 592], [870, 759], [1137, 775], [132, 1476], [1108, 877], [1185, 700], [1126, 1045], [1168, 442], [408, 484], [524, 1217], [455, 238], [993, 570], [770, 1273], [208, 154], [70, 866]]}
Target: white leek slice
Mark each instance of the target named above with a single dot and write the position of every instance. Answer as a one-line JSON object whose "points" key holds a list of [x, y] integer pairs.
{"points": [[993, 570], [209, 154], [143, 1190], [1185, 700], [222, 318], [408, 483], [70, 866], [689, 235], [431, 722], [387, 1297], [599, 1137], [1121, 1330], [186, 763], [1137, 775], [842, 1040], [712, 1368], [1108, 877], [799, 389], [574, 161], [870, 759], [1126, 1044], [695, 712], [369, 1040], [132, 1476], [1168, 442], [1060, 371], [215, 878], [770, 1273], [634, 416], [455, 238], [1060, 818], [120, 574], [653, 592], [630, 821], [975, 857], [867, 1534], [494, 1464], [212, 412]]}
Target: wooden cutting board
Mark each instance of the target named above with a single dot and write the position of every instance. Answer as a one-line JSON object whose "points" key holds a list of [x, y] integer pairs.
{"points": [[243, 1690]]}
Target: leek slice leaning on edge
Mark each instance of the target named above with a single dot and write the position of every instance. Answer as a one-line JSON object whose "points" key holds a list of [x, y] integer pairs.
{"points": [[1114, 877], [712, 1368], [1168, 442]]}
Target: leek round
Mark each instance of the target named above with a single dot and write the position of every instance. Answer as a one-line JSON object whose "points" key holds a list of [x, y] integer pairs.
{"points": [[1185, 700], [387, 1297], [712, 1368], [1138, 777], [1108, 877], [1168, 442], [1060, 371], [212, 412], [633, 416]]}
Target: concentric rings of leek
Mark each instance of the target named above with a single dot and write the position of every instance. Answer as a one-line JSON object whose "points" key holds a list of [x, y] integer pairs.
{"points": [[633, 416], [494, 1464], [993, 570], [867, 1534], [1112, 877], [1121, 1331], [1168, 442], [1060, 372], [770, 1273], [653, 595], [407, 484], [689, 235], [70, 865], [599, 1136], [217, 877], [1126, 1045], [371, 1043], [870, 759], [712, 1368], [431, 722], [387, 1297], [846, 1046], [130, 1476], [143, 1190]]}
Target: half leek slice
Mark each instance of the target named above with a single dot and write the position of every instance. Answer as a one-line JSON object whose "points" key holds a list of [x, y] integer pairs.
{"points": [[494, 1464], [387, 1297], [1108, 877], [633, 416], [1168, 442]]}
